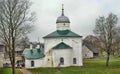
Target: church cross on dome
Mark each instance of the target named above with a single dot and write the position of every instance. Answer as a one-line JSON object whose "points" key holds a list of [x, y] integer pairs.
{"points": [[62, 9]]}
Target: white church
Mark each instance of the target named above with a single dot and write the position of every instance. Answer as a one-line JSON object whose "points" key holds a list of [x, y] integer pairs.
{"points": [[62, 48]]}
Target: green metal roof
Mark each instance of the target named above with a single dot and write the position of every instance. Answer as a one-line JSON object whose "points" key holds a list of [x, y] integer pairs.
{"points": [[34, 53], [63, 33], [62, 45]]}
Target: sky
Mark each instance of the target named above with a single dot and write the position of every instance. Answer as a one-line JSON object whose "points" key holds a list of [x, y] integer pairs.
{"points": [[82, 15]]}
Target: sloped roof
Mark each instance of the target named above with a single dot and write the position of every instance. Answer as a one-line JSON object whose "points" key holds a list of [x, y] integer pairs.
{"points": [[62, 45], [63, 33], [94, 50], [34, 53]]}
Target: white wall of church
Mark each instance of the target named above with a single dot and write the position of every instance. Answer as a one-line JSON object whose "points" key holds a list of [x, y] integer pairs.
{"points": [[51, 42], [74, 42], [37, 63], [48, 61], [62, 53]]}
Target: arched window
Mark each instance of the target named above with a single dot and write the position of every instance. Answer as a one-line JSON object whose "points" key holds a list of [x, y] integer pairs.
{"points": [[62, 61], [74, 61], [32, 63]]}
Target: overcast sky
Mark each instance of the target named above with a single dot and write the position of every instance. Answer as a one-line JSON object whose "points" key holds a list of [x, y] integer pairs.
{"points": [[82, 15]]}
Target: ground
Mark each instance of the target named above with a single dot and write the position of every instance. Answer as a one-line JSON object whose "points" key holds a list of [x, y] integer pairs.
{"points": [[8, 71], [91, 66]]}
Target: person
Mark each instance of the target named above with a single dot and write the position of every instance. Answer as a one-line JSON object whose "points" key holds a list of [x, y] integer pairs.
{"points": [[18, 65]]}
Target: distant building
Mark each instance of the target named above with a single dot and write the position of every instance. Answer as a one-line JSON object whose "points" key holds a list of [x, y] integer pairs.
{"points": [[19, 58], [34, 56], [62, 48], [89, 51], [1, 55]]}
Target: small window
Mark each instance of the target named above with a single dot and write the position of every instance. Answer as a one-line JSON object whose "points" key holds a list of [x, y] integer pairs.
{"points": [[74, 61], [32, 63], [48, 59], [62, 61]]}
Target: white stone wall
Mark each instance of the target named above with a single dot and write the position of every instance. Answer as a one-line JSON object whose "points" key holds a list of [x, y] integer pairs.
{"points": [[64, 53], [48, 61], [74, 42], [87, 53], [77, 51], [37, 63], [63, 26]]}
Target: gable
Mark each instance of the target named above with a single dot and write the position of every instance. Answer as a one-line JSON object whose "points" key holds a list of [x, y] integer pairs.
{"points": [[62, 45], [85, 49]]}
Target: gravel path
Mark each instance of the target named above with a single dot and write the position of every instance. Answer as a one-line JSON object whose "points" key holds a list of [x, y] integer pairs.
{"points": [[25, 71]]}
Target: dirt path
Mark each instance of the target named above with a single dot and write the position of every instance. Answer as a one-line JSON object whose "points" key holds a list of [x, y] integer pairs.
{"points": [[25, 71]]}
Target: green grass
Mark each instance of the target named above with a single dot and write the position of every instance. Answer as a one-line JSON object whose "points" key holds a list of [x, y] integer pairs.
{"points": [[8, 71], [91, 66]]}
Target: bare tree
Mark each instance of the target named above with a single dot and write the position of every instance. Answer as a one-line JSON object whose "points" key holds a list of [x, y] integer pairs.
{"points": [[23, 43], [15, 22], [116, 43], [105, 30], [90, 39], [94, 41]]}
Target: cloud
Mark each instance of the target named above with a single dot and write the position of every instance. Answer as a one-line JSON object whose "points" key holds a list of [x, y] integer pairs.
{"points": [[82, 14]]}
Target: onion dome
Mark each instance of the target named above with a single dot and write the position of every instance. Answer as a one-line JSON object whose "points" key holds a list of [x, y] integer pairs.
{"points": [[63, 18]]}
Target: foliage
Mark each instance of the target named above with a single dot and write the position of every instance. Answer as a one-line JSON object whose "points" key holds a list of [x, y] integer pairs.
{"points": [[91, 66]]}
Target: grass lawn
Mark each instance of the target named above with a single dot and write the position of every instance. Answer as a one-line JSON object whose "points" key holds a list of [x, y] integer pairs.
{"points": [[91, 66], [8, 71]]}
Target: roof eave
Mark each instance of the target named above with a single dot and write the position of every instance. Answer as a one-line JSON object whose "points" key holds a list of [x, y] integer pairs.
{"points": [[63, 36], [35, 58], [62, 48]]}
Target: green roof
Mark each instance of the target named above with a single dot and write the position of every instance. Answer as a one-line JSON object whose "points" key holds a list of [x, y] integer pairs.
{"points": [[63, 33], [62, 46], [34, 53]]}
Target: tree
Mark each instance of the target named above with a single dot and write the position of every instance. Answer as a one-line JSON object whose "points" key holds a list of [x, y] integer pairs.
{"points": [[90, 39], [106, 31], [15, 22], [94, 41], [24, 43], [116, 43]]}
